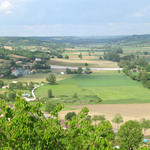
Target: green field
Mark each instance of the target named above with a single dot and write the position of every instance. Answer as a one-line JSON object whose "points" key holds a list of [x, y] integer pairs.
{"points": [[111, 87]]}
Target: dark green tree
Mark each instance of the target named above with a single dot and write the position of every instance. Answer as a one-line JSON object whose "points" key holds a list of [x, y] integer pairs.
{"points": [[87, 70], [70, 115], [66, 57], [80, 70], [75, 95], [98, 118], [117, 119], [130, 135], [86, 64], [51, 79], [68, 71], [145, 124], [50, 94], [1, 83], [80, 56]]}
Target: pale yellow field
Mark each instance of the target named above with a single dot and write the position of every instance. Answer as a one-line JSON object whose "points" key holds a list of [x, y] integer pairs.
{"points": [[83, 58], [72, 49], [84, 53], [8, 48], [128, 111], [17, 56], [98, 63]]}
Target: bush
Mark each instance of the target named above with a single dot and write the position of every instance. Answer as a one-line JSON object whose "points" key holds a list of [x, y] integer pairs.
{"points": [[66, 57], [86, 64], [87, 70], [70, 115], [1, 83], [80, 70], [51, 79], [50, 94], [68, 71], [75, 95], [99, 118]]}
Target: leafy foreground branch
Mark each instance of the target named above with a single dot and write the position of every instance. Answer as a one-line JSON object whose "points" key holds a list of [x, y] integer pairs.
{"points": [[25, 127]]}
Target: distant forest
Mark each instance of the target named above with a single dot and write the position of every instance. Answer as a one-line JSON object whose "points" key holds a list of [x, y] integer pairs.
{"points": [[129, 39], [74, 40]]}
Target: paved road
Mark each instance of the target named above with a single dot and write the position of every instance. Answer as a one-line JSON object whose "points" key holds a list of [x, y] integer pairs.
{"points": [[93, 69], [33, 94]]}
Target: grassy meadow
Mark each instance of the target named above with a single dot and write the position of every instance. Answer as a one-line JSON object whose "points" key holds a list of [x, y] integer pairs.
{"points": [[111, 87]]}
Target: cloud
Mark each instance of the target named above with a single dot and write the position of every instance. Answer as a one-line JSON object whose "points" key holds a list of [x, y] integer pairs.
{"points": [[139, 14], [8, 6], [145, 12]]}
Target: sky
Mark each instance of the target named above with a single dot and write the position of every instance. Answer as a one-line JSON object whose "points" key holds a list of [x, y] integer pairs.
{"points": [[74, 17]]}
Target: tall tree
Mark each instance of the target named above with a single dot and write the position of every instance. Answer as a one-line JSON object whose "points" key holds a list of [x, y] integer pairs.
{"points": [[51, 79], [80, 56], [50, 94], [145, 124], [117, 119], [130, 135], [88, 70], [80, 70], [70, 115], [1, 83]]}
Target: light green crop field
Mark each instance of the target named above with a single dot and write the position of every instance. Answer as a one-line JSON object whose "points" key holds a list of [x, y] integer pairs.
{"points": [[112, 87]]}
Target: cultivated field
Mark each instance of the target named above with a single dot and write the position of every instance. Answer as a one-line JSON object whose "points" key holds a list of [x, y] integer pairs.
{"points": [[89, 56], [78, 62], [128, 111], [112, 87]]}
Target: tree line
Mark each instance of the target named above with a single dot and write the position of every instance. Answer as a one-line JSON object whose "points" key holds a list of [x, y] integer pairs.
{"points": [[138, 69]]}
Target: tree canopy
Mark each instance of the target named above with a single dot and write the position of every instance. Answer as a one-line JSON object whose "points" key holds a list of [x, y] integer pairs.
{"points": [[130, 135], [51, 79], [25, 127]]}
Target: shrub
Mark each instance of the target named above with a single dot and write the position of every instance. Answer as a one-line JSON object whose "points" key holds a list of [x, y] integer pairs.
{"points": [[51, 79], [75, 95], [99, 118], [50, 94], [70, 115]]}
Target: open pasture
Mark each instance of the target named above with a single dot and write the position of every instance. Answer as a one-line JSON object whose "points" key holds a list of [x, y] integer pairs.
{"points": [[112, 87]]}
